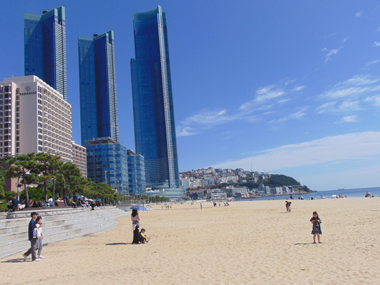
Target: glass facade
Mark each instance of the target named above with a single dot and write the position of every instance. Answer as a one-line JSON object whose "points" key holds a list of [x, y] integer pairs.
{"points": [[45, 48], [153, 109], [136, 173], [107, 162], [98, 103]]}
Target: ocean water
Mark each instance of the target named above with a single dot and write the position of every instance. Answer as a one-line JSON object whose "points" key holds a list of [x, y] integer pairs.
{"points": [[359, 192]]}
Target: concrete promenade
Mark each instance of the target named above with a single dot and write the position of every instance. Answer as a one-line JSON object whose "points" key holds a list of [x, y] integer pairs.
{"points": [[59, 224]]}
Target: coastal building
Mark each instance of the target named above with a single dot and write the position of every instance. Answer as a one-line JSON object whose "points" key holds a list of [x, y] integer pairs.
{"points": [[80, 158], [34, 117], [185, 183], [97, 81], [153, 108], [107, 162], [136, 173], [264, 189], [45, 48], [277, 190]]}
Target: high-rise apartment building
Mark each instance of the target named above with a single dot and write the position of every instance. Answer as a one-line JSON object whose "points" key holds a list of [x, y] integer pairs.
{"points": [[34, 117], [80, 158], [98, 104], [45, 48], [107, 162], [136, 173], [153, 109]]}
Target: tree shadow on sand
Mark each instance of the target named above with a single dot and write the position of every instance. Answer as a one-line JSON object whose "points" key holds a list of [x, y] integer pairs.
{"points": [[118, 243]]}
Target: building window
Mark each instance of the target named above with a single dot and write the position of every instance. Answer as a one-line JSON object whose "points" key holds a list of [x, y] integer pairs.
{"points": [[40, 148]]}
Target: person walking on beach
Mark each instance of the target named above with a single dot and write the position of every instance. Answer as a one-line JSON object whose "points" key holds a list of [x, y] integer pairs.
{"points": [[316, 231], [32, 238], [40, 236]]}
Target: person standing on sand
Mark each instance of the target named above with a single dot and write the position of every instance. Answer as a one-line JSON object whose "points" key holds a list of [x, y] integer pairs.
{"points": [[201, 206], [32, 239], [316, 231], [40, 236], [135, 218]]}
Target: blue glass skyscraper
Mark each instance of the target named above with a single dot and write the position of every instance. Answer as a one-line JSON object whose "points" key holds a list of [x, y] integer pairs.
{"points": [[45, 48], [107, 162], [136, 173], [98, 103], [155, 136]]}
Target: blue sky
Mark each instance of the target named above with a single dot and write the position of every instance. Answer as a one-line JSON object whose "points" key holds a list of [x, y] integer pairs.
{"points": [[291, 87]]}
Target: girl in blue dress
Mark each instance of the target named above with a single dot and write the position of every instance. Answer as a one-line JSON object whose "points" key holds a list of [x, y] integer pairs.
{"points": [[316, 231]]}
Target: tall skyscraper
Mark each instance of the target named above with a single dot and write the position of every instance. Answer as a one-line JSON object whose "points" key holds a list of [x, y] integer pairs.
{"points": [[98, 101], [45, 48], [153, 109]]}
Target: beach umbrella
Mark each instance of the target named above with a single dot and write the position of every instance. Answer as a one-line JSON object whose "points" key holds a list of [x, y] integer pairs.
{"points": [[139, 208]]}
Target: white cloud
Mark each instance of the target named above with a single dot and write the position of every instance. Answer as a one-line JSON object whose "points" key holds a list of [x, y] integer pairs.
{"points": [[263, 94], [340, 93], [331, 53], [289, 81], [350, 119], [335, 107], [185, 131], [268, 92], [359, 80], [209, 118], [378, 29], [298, 88], [296, 116], [283, 101], [372, 62], [358, 14], [344, 40], [373, 99], [376, 44], [340, 148]]}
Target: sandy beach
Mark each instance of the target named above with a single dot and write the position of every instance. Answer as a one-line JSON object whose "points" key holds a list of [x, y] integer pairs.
{"points": [[254, 242]]}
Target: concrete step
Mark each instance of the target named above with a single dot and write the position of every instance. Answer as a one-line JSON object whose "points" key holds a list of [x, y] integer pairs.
{"points": [[58, 228]]}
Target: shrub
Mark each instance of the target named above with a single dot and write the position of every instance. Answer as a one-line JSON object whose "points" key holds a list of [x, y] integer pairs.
{"points": [[4, 207]]}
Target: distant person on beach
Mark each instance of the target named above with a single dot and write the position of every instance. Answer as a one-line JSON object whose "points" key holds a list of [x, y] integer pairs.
{"points": [[201, 206], [288, 206], [143, 238], [32, 238], [40, 236], [316, 231]]}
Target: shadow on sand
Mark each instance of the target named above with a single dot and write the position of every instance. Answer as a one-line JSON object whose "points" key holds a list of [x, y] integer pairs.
{"points": [[16, 260], [118, 243], [304, 243]]}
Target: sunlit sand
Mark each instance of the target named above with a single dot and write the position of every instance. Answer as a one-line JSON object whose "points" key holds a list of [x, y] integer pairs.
{"points": [[246, 243]]}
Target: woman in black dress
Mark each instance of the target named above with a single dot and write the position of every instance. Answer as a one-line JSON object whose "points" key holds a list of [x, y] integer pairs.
{"points": [[316, 231]]}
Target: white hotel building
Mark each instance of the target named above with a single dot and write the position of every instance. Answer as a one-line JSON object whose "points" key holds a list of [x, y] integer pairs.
{"points": [[34, 117]]}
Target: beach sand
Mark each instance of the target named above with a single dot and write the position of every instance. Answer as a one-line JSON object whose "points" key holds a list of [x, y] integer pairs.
{"points": [[253, 242]]}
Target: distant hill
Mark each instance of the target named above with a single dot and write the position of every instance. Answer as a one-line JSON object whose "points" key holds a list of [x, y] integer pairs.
{"points": [[277, 180]]}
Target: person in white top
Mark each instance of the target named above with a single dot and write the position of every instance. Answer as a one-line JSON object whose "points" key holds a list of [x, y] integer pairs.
{"points": [[40, 236]]}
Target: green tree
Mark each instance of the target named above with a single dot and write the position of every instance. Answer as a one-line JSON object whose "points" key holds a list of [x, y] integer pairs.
{"points": [[2, 182], [71, 174], [49, 166], [25, 167]]}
